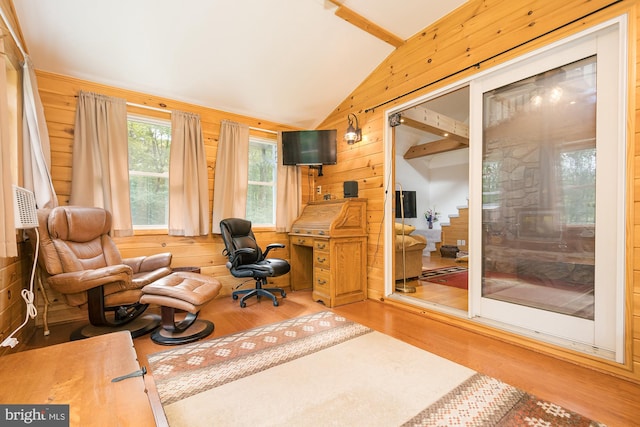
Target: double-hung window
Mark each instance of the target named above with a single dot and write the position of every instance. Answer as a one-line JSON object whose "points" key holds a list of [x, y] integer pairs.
{"points": [[149, 144], [261, 191]]}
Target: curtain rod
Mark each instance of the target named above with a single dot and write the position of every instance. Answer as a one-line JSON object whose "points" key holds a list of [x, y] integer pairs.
{"points": [[165, 110], [13, 34], [162, 110], [478, 64], [264, 130]]}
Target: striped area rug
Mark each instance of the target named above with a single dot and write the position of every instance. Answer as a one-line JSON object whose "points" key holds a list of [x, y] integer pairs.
{"points": [[486, 401], [433, 273], [325, 370]]}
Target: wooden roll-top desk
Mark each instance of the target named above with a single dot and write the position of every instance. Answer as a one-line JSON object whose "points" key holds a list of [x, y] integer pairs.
{"points": [[329, 251]]}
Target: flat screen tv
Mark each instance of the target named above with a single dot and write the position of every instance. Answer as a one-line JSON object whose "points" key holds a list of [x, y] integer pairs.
{"points": [[309, 147], [410, 210]]}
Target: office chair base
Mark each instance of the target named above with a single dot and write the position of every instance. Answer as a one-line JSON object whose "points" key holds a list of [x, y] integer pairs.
{"points": [[258, 292], [139, 326]]}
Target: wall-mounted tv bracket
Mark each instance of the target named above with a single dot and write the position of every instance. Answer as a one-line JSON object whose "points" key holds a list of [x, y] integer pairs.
{"points": [[318, 167]]}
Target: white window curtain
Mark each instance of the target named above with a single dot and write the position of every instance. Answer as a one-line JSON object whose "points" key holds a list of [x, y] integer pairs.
{"points": [[100, 174], [8, 245], [288, 193], [231, 174], [188, 189], [35, 143]]}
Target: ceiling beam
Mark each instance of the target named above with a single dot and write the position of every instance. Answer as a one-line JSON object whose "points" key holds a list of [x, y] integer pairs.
{"points": [[455, 133], [434, 147], [438, 124], [364, 24]]}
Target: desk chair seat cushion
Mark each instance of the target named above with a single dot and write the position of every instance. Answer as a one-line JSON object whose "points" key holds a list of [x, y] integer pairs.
{"points": [[270, 267]]}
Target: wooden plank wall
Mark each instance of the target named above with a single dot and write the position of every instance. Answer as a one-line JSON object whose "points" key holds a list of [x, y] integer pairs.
{"points": [[476, 36], [59, 95]]}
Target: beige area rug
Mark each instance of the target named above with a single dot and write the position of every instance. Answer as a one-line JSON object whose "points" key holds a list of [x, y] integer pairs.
{"points": [[324, 370]]}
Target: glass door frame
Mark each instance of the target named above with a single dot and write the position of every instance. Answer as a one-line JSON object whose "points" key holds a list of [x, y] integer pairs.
{"points": [[603, 337], [475, 203]]}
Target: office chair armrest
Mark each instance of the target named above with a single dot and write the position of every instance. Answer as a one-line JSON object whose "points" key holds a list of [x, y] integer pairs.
{"points": [[148, 263], [271, 246], [236, 256], [80, 281]]}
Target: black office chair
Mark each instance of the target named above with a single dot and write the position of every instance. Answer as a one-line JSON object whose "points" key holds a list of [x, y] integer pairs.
{"points": [[246, 259]]}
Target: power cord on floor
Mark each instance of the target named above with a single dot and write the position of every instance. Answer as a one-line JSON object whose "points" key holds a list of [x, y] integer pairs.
{"points": [[28, 296]]}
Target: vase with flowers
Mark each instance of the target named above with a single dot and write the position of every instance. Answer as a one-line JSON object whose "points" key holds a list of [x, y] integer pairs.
{"points": [[431, 215]]}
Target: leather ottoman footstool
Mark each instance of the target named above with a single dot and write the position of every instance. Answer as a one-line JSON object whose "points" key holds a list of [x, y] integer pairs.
{"points": [[181, 291]]}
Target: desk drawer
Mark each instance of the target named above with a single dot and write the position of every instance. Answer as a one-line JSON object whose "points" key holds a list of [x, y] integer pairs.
{"points": [[302, 240], [321, 245], [321, 259], [321, 280]]}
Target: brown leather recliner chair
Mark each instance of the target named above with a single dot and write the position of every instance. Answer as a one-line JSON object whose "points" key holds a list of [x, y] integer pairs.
{"points": [[81, 261]]}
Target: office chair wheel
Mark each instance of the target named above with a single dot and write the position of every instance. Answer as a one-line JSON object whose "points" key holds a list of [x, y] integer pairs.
{"points": [[234, 296], [275, 303], [242, 303], [283, 294]]}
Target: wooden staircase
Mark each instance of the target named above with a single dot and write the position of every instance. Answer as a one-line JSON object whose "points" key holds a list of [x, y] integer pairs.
{"points": [[456, 230]]}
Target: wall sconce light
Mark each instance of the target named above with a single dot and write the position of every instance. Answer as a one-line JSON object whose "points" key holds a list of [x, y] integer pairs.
{"points": [[353, 135]]}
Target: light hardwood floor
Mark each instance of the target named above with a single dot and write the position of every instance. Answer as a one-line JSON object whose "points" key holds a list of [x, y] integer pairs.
{"points": [[439, 294], [599, 396]]}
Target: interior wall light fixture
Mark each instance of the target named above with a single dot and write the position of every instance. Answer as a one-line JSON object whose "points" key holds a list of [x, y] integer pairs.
{"points": [[353, 135]]}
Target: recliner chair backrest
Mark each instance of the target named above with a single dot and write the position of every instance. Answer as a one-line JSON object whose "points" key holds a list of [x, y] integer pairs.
{"points": [[80, 238], [48, 259], [237, 234]]}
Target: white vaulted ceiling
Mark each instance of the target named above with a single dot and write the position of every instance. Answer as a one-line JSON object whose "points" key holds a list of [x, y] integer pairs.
{"points": [[288, 61]]}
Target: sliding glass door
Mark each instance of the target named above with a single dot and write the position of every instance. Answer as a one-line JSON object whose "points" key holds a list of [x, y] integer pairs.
{"points": [[548, 191]]}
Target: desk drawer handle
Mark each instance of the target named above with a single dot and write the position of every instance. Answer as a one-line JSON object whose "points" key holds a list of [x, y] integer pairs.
{"points": [[301, 241], [322, 282], [321, 246], [321, 259], [321, 232]]}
